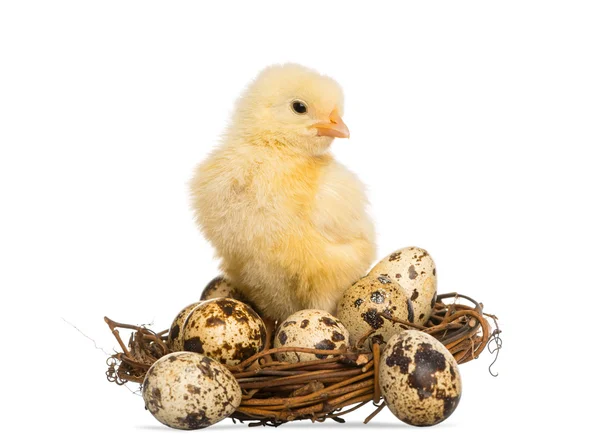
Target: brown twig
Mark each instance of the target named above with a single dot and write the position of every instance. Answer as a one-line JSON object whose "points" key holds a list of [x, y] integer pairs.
{"points": [[376, 393], [372, 415], [276, 392]]}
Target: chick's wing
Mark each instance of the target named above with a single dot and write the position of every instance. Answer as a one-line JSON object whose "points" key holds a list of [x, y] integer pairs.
{"points": [[340, 210]]}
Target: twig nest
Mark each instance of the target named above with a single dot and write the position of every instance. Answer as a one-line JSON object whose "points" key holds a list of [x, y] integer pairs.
{"points": [[419, 378], [189, 391], [224, 329], [414, 270], [175, 338], [310, 329], [368, 307]]}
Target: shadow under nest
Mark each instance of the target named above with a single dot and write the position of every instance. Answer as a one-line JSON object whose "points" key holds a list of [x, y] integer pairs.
{"points": [[277, 392]]}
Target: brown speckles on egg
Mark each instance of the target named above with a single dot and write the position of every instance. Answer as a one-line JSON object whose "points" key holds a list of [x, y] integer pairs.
{"points": [[377, 296], [373, 318], [282, 336], [174, 332], [394, 256], [325, 344], [337, 336], [412, 274], [384, 279], [411, 312], [213, 320], [328, 321], [153, 400], [175, 339], [379, 303], [398, 357], [310, 328], [227, 306], [221, 287], [427, 363], [193, 389], [193, 344], [186, 390], [414, 295], [415, 272], [450, 403], [224, 321], [211, 287], [262, 336], [243, 352], [419, 378], [452, 374], [194, 421]]}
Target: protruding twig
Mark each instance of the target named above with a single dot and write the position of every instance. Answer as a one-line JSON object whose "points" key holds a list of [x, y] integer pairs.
{"points": [[372, 415], [376, 392]]}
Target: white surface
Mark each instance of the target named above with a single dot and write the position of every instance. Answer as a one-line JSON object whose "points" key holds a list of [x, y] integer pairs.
{"points": [[475, 126]]}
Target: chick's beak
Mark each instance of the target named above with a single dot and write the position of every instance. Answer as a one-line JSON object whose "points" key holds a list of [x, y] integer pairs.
{"points": [[334, 128]]}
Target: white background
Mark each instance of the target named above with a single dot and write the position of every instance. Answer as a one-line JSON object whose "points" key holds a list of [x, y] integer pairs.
{"points": [[475, 126]]}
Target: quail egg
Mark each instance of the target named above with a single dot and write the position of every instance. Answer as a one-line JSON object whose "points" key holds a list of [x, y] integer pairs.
{"points": [[414, 270], [175, 338], [220, 287], [367, 306], [419, 378], [189, 391], [224, 329], [310, 328]]}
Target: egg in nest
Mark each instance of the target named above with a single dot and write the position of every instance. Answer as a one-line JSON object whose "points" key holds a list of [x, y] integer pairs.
{"points": [[189, 391], [414, 270], [310, 328], [419, 378], [220, 287], [224, 329], [175, 338], [368, 307]]}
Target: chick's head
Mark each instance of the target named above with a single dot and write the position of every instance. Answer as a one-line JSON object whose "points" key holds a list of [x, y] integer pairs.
{"points": [[291, 107]]}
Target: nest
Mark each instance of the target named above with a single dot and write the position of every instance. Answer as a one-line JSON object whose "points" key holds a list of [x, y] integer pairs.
{"points": [[276, 392]]}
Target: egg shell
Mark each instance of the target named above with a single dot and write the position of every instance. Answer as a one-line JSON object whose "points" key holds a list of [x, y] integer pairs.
{"points": [[190, 391], [220, 287], [414, 270], [310, 328], [419, 378], [175, 338], [364, 306], [224, 329]]}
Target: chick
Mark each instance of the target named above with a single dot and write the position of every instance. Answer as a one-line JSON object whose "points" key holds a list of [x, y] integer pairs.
{"points": [[288, 222]]}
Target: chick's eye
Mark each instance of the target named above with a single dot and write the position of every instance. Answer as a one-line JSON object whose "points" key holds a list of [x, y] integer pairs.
{"points": [[299, 107]]}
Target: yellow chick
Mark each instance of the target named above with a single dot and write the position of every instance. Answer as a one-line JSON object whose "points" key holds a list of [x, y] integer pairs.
{"points": [[288, 222]]}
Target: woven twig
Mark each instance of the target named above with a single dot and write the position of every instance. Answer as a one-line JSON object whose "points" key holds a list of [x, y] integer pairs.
{"points": [[277, 392]]}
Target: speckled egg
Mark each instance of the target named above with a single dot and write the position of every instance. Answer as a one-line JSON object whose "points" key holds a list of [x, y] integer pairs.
{"points": [[224, 329], [220, 287], [419, 378], [175, 338], [414, 270], [312, 329], [190, 391], [365, 307]]}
